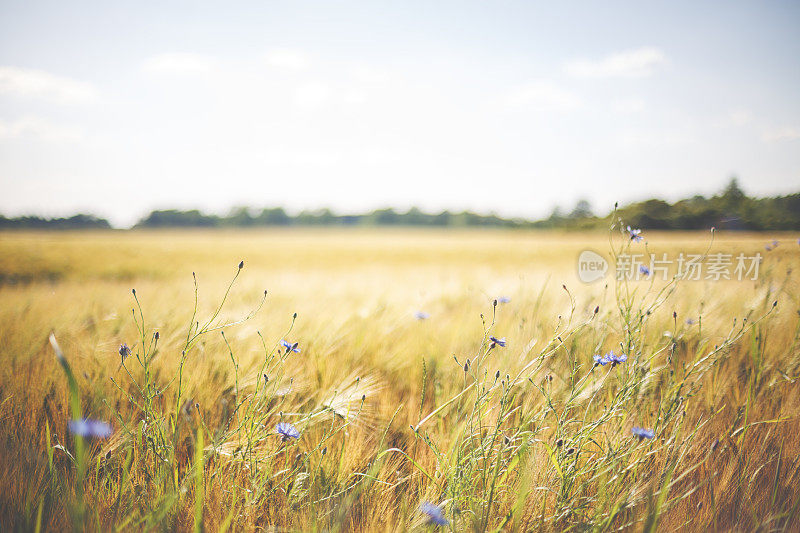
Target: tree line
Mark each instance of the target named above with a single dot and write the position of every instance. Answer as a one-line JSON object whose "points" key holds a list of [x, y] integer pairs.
{"points": [[277, 216], [79, 221], [731, 209]]}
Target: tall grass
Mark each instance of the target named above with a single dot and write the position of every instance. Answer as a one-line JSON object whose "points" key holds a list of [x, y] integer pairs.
{"points": [[393, 412]]}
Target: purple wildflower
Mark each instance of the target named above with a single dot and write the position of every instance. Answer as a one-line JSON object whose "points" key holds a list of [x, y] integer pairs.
{"points": [[600, 360], [503, 300], [124, 351], [635, 234], [497, 342], [86, 427], [287, 431], [290, 347], [644, 270], [434, 514], [421, 315], [642, 433], [615, 359]]}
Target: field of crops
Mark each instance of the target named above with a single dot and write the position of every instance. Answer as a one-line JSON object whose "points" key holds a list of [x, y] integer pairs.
{"points": [[428, 379]]}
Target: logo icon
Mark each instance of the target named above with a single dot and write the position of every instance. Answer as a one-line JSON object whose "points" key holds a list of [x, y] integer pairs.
{"points": [[591, 266]]}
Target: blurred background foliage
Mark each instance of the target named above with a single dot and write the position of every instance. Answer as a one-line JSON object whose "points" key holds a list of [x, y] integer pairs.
{"points": [[730, 209]]}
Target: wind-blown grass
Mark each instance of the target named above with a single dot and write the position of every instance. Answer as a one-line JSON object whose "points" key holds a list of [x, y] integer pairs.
{"points": [[401, 423]]}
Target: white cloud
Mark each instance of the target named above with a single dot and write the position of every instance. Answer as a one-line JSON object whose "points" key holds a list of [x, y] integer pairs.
{"points": [[740, 117], [287, 58], [32, 127], [637, 139], [788, 133], [178, 63], [636, 63], [312, 95], [354, 97], [371, 75], [543, 95], [31, 83], [630, 105]]}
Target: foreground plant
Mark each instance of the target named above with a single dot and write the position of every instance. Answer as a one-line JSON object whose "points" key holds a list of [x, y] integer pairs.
{"points": [[581, 424]]}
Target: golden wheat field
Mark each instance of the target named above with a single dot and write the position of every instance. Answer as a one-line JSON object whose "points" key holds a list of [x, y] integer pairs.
{"points": [[440, 380]]}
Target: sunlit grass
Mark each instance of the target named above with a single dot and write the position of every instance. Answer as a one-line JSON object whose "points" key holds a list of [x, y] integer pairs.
{"points": [[390, 414]]}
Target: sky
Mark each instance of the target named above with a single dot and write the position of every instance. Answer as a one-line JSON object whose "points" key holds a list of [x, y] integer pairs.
{"points": [[118, 108]]}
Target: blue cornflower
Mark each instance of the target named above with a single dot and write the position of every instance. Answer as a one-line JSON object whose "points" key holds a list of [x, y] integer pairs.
{"points": [[642, 433], [86, 427], [434, 513], [644, 270], [124, 351], [497, 342], [421, 315], [503, 300], [616, 359], [287, 431], [610, 357], [690, 321], [775, 244], [290, 347], [635, 234]]}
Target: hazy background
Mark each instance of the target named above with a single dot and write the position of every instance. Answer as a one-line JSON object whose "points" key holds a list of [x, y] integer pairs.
{"points": [[510, 107]]}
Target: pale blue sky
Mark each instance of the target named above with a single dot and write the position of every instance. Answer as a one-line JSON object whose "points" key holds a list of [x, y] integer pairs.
{"points": [[510, 107]]}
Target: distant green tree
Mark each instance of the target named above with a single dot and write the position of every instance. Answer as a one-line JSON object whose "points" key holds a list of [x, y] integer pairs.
{"points": [[175, 218], [240, 217], [583, 209], [733, 195], [442, 219], [382, 217], [275, 216]]}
